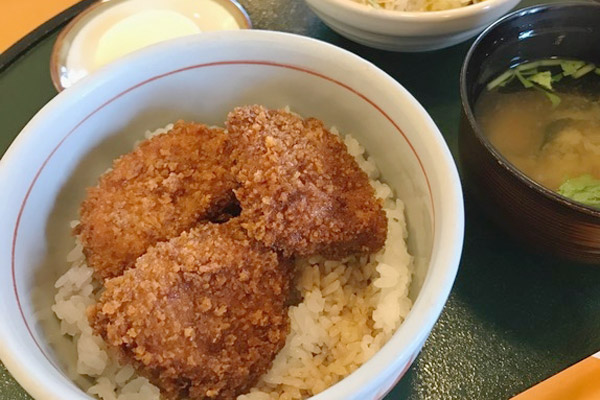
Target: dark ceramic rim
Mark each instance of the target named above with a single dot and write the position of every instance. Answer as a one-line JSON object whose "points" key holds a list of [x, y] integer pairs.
{"points": [[55, 63], [507, 165]]}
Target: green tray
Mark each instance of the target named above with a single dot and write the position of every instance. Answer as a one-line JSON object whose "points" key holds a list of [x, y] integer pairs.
{"points": [[513, 317]]}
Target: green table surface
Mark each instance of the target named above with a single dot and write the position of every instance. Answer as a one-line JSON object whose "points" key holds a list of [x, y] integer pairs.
{"points": [[513, 317]]}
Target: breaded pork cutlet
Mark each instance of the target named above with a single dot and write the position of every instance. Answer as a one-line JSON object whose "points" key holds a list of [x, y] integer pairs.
{"points": [[300, 191], [202, 315], [162, 188]]}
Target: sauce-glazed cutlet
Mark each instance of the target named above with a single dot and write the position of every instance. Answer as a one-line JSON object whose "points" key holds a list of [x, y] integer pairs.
{"points": [[162, 188], [300, 191], [202, 315]]}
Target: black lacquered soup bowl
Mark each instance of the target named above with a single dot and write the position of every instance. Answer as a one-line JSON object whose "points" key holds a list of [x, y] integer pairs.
{"points": [[537, 216]]}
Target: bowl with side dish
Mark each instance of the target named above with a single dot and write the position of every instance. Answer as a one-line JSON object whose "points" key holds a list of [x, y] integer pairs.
{"points": [[409, 26]]}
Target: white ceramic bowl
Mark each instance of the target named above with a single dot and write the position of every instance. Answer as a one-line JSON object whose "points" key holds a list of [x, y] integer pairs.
{"points": [[66, 146], [408, 31]]}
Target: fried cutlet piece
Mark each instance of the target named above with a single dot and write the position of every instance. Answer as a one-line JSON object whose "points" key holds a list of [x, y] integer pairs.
{"points": [[300, 191], [162, 188], [202, 315]]}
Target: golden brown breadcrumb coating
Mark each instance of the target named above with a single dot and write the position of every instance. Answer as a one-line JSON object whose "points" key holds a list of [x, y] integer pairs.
{"points": [[300, 191], [162, 188], [202, 315]]}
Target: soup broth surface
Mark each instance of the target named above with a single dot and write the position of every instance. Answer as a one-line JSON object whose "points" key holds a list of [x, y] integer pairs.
{"points": [[550, 144]]}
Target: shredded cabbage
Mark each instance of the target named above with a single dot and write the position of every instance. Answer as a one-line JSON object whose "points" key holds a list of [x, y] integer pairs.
{"points": [[417, 5]]}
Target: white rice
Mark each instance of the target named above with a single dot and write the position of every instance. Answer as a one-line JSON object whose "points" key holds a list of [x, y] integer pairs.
{"points": [[350, 308]]}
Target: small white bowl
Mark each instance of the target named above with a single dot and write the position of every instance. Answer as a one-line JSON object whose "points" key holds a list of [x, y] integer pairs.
{"points": [[408, 31], [79, 46], [73, 139]]}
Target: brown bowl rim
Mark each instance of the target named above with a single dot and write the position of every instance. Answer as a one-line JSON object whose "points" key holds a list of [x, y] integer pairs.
{"points": [[232, 5], [504, 163]]}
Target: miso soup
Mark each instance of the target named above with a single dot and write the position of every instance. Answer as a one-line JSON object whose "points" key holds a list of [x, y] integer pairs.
{"points": [[551, 134]]}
